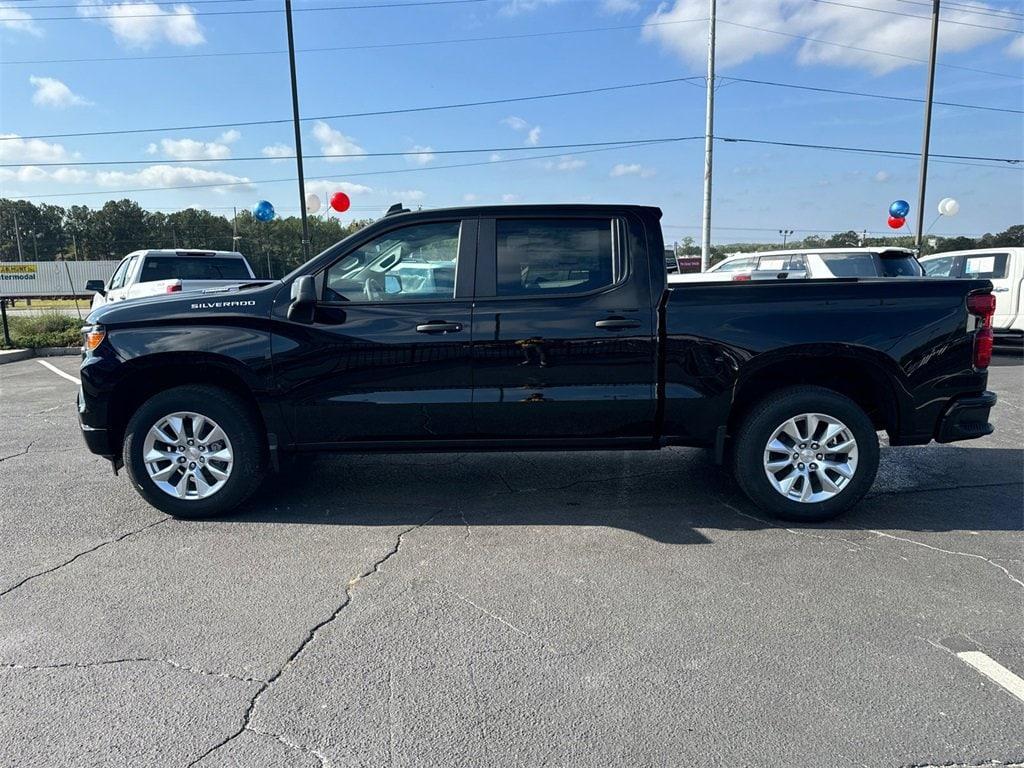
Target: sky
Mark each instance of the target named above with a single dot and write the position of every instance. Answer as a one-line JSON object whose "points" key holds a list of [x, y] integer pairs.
{"points": [[71, 67]]}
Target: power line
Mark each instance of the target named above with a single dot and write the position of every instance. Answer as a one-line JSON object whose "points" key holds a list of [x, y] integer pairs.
{"points": [[248, 12], [333, 176], [31, 6], [350, 115], [364, 47], [865, 94], [868, 150], [867, 50], [975, 10], [913, 15]]}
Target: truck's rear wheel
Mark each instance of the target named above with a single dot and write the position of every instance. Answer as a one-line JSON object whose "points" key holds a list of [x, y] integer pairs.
{"points": [[806, 454], [194, 451]]}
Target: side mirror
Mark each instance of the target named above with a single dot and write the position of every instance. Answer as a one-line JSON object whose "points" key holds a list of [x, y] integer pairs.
{"points": [[303, 300], [96, 286], [392, 284]]}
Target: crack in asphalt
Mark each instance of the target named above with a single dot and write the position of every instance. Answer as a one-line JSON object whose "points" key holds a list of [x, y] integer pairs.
{"points": [[955, 764], [991, 562], [99, 546], [291, 745], [19, 453], [132, 660], [309, 638], [876, 494]]}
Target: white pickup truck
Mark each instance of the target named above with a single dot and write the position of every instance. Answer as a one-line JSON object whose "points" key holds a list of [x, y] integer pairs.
{"points": [[157, 272], [809, 263]]}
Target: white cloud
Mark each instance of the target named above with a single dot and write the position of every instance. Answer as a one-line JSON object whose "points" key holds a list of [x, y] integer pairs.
{"points": [[333, 142], [519, 125], [509, 198], [619, 6], [565, 164], [882, 176], [31, 173], [231, 136], [495, 157], [165, 176], [424, 156], [324, 189], [17, 150], [868, 25], [144, 24], [406, 195], [190, 149], [632, 169], [278, 151], [18, 20], [51, 92], [469, 197], [517, 7], [1016, 48]]}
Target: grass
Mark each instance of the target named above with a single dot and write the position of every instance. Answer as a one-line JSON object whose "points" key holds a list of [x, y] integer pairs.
{"points": [[52, 303], [47, 330]]}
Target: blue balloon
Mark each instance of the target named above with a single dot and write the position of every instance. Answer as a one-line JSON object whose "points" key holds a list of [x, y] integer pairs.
{"points": [[263, 210], [899, 209]]}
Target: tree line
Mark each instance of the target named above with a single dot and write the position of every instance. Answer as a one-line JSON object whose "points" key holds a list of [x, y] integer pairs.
{"points": [[78, 232], [51, 232]]}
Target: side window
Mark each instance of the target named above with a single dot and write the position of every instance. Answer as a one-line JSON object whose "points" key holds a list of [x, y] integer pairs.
{"points": [[773, 263], [939, 267], [538, 256], [117, 280], [739, 265], [798, 263], [415, 262], [986, 266]]}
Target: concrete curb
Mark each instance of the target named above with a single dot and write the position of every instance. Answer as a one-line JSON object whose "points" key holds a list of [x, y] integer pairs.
{"points": [[16, 355]]}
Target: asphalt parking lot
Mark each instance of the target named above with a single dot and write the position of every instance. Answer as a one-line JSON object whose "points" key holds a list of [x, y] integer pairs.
{"points": [[561, 609]]}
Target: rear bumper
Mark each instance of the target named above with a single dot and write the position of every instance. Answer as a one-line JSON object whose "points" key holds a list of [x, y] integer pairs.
{"points": [[1008, 337], [966, 418]]}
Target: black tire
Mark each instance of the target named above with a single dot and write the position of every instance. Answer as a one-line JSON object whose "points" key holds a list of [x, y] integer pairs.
{"points": [[760, 425], [236, 419]]}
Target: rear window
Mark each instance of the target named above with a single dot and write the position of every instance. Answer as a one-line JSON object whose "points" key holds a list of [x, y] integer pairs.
{"points": [[986, 266], [893, 264], [193, 268], [553, 256]]}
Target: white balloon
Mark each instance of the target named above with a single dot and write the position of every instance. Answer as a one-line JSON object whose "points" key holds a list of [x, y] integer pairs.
{"points": [[312, 203], [952, 207], [942, 205]]}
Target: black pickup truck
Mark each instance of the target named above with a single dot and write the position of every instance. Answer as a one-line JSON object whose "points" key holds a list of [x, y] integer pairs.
{"points": [[532, 328]]}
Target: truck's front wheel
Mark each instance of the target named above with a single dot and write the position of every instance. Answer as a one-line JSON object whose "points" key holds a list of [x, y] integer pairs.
{"points": [[806, 454], [193, 451]]}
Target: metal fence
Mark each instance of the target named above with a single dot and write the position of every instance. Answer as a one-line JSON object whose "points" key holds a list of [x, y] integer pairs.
{"points": [[30, 279]]}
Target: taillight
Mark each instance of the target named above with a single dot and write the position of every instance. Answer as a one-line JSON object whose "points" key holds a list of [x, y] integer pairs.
{"points": [[982, 306], [173, 287], [740, 278]]}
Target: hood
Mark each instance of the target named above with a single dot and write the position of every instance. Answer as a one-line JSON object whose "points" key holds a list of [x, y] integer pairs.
{"points": [[190, 305]]}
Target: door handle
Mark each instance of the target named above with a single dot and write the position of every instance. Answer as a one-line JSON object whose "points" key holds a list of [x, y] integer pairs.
{"points": [[1000, 290], [438, 326], [614, 323]]}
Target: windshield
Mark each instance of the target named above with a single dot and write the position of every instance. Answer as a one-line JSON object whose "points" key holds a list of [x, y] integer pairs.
{"points": [[193, 268]]}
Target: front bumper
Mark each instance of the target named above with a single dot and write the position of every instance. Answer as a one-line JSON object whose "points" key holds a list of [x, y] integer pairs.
{"points": [[966, 418], [96, 439]]}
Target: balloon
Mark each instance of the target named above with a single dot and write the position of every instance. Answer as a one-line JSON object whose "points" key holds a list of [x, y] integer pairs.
{"points": [[340, 202], [263, 210], [895, 222], [949, 207], [899, 209], [312, 203]]}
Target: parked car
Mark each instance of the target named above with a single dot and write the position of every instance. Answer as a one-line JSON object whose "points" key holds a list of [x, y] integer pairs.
{"points": [[1005, 268], [159, 272], [818, 263], [556, 330]]}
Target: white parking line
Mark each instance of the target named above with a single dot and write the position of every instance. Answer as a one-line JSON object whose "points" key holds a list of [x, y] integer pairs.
{"points": [[59, 372], [994, 671]]}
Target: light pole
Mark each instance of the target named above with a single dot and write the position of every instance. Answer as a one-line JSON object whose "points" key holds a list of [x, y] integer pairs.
{"points": [[785, 234], [709, 142], [298, 131], [922, 186]]}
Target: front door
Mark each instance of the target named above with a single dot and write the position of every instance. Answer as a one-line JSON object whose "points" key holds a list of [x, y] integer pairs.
{"points": [[563, 330], [387, 357]]}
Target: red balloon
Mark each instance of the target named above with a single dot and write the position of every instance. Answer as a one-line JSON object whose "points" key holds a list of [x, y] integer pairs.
{"points": [[895, 222], [340, 202]]}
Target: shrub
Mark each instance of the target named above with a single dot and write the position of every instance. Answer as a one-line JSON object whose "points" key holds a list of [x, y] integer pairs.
{"points": [[51, 329]]}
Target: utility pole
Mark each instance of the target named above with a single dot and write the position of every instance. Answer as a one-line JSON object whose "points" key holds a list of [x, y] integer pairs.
{"points": [[298, 131], [35, 247], [234, 230], [927, 125], [17, 235], [709, 140]]}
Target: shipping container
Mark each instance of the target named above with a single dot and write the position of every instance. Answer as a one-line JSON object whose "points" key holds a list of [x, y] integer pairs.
{"points": [[31, 279]]}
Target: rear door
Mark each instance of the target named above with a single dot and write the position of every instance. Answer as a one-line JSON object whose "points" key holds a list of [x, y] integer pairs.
{"points": [[563, 330], [387, 358], [996, 267]]}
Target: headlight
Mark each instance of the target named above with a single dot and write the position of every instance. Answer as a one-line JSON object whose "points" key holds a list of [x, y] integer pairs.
{"points": [[92, 336]]}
